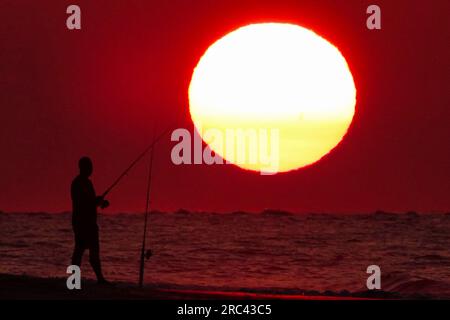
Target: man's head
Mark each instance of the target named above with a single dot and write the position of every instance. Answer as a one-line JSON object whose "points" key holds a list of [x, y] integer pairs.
{"points": [[85, 165]]}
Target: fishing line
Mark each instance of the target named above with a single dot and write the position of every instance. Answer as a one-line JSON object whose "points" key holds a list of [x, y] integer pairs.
{"points": [[146, 254]]}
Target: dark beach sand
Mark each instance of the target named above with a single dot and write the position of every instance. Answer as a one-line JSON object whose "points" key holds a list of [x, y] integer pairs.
{"points": [[16, 287]]}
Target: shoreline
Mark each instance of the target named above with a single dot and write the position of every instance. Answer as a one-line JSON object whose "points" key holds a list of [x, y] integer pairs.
{"points": [[23, 287]]}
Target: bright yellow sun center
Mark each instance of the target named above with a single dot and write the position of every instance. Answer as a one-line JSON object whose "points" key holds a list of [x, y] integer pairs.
{"points": [[272, 78]]}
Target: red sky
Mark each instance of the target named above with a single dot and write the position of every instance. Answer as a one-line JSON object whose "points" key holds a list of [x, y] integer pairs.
{"points": [[97, 92]]}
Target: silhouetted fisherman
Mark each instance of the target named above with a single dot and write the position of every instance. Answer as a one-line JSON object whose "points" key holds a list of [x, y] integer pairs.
{"points": [[84, 218]]}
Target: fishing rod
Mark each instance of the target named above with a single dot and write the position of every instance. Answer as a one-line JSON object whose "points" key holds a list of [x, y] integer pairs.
{"points": [[135, 161], [146, 254]]}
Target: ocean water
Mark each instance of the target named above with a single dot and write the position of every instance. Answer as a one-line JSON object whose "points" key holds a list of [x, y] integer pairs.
{"points": [[267, 252]]}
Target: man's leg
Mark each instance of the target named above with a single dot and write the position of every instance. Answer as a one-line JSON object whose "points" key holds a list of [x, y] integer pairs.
{"points": [[94, 258], [77, 252]]}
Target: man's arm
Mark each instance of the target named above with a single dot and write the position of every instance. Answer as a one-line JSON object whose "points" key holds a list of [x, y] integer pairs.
{"points": [[101, 202], [75, 195]]}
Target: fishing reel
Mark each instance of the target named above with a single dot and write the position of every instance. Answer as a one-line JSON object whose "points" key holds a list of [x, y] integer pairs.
{"points": [[148, 254], [105, 204]]}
